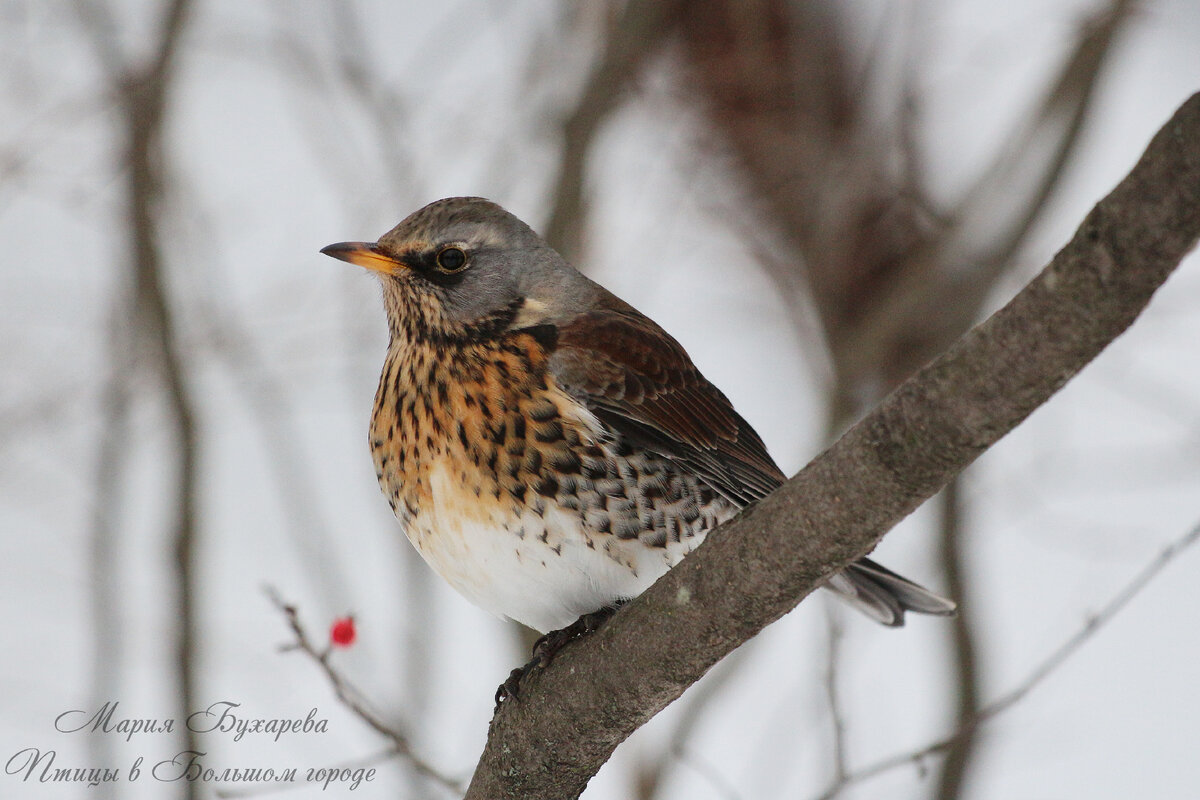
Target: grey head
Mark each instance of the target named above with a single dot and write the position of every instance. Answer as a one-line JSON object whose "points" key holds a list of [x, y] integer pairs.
{"points": [[464, 262]]}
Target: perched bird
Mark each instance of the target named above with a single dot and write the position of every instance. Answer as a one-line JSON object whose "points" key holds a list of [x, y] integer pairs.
{"points": [[548, 449]]}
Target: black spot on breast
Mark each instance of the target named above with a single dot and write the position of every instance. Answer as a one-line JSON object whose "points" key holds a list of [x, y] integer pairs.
{"points": [[543, 411], [627, 529], [593, 469], [651, 491], [546, 486], [566, 462], [497, 432], [548, 432]]}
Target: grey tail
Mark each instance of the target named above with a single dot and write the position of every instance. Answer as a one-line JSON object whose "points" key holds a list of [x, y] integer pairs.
{"points": [[884, 596]]}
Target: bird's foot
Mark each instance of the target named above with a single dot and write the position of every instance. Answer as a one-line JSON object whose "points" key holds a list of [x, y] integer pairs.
{"points": [[545, 648]]}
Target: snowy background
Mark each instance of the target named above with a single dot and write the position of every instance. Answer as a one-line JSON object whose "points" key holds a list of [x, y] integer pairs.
{"points": [[278, 147]]}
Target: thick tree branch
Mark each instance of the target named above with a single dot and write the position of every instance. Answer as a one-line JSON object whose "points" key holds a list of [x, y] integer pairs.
{"points": [[758, 566]]}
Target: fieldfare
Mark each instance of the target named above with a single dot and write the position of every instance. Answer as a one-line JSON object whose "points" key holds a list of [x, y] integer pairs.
{"points": [[548, 449]]}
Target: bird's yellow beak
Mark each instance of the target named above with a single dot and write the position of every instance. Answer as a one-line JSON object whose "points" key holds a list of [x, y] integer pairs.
{"points": [[364, 254]]}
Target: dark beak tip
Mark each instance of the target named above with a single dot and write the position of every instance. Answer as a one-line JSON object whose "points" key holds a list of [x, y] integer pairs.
{"points": [[346, 251], [337, 250]]}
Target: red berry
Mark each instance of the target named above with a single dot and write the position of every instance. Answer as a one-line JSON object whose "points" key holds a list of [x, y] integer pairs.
{"points": [[342, 633]]}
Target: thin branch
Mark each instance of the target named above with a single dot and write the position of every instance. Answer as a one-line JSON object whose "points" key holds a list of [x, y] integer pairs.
{"points": [[832, 698], [653, 780], [965, 653], [719, 782], [352, 698], [1043, 670], [144, 93], [758, 566], [989, 226], [632, 38], [112, 460]]}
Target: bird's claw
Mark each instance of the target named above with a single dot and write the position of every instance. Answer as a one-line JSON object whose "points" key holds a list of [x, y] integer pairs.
{"points": [[547, 647]]}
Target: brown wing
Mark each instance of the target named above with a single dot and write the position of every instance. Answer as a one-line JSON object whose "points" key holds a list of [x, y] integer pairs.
{"points": [[640, 382]]}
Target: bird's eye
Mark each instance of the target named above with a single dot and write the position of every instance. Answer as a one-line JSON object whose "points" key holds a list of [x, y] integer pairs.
{"points": [[451, 259]]}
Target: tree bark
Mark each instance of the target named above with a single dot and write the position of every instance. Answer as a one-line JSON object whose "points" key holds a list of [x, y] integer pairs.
{"points": [[757, 567]]}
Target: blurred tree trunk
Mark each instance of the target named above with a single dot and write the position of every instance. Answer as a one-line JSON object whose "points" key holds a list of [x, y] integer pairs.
{"points": [[143, 93]]}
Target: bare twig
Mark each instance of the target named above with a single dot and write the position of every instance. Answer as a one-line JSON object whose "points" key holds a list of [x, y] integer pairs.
{"points": [[719, 783], [1043, 670], [110, 470], [836, 719], [144, 93], [965, 661], [632, 37], [935, 291], [653, 780], [353, 699]]}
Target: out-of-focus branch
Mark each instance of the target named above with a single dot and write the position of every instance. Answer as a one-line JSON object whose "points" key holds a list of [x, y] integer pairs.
{"points": [[936, 289], [107, 633], [1039, 674], [143, 93], [965, 662], [385, 108], [353, 699], [654, 774], [633, 36], [837, 720], [753, 569]]}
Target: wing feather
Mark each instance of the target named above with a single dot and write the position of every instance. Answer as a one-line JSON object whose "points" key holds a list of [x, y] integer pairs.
{"points": [[641, 382]]}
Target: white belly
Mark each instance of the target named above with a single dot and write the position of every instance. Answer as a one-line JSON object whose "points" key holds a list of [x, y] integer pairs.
{"points": [[545, 578]]}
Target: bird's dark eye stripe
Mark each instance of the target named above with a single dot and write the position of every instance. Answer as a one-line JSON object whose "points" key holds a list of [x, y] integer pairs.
{"points": [[451, 259]]}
